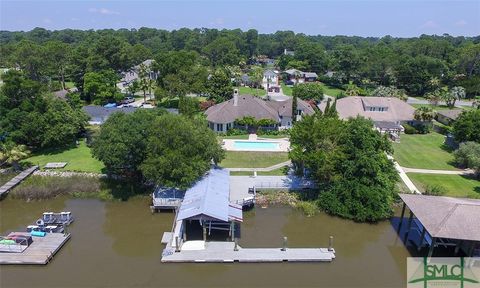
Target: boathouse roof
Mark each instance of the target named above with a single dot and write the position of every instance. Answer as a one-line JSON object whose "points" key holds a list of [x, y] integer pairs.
{"points": [[446, 217], [209, 199]]}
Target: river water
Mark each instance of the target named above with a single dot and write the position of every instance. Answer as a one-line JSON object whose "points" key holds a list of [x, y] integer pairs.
{"points": [[117, 244]]}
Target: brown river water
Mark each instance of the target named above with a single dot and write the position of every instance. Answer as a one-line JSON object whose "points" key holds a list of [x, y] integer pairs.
{"points": [[117, 244]]}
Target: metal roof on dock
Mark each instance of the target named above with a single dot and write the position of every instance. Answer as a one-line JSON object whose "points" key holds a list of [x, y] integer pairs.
{"points": [[209, 199]]}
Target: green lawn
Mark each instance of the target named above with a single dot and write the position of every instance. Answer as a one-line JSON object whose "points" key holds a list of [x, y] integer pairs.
{"points": [[79, 158], [287, 90], [69, 84], [437, 108], [251, 91], [331, 91], [455, 185], [236, 159], [423, 151], [277, 172]]}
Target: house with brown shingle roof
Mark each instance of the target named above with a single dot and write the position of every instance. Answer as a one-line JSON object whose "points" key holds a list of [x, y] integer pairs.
{"points": [[221, 117], [387, 113]]}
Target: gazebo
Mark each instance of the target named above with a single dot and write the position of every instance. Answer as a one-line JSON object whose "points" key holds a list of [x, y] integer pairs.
{"points": [[443, 221]]}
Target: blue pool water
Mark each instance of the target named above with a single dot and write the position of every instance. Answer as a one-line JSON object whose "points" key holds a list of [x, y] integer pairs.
{"points": [[255, 145]]}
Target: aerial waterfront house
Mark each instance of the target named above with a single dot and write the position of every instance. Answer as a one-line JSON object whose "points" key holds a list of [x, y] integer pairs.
{"points": [[221, 117], [387, 113]]}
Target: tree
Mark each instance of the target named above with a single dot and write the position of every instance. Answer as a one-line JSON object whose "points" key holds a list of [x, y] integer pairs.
{"points": [[122, 142], [11, 154], [434, 97], [424, 114], [180, 151], [351, 89], [219, 86], [390, 91], [57, 55], [133, 87], [456, 93], [256, 76], [348, 161], [100, 87], [467, 126], [222, 51], [146, 84], [306, 91], [188, 106], [468, 156]]}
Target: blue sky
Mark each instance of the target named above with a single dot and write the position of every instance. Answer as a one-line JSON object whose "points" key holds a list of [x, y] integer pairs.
{"points": [[362, 18]]}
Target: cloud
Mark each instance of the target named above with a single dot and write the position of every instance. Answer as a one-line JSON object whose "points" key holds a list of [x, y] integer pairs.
{"points": [[103, 11], [460, 23], [429, 24]]}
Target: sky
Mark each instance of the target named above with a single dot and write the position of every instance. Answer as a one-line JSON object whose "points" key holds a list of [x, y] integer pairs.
{"points": [[361, 18]]}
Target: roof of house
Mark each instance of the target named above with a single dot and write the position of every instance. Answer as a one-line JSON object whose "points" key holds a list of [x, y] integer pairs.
{"points": [[269, 73], [292, 71], [248, 105], [209, 199], [386, 125], [446, 217], [284, 108], [451, 114], [310, 75], [397, 110], [61, 93], [99, 112]]}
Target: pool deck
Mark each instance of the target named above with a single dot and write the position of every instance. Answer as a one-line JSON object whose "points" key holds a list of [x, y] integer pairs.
{"points": [[223, 252], [40, 252], [283, 144]]}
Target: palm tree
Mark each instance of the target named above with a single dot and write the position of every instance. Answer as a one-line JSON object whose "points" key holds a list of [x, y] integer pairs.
{"points": [[145, 81], [424, 114], [352, 89], [11, 154]]}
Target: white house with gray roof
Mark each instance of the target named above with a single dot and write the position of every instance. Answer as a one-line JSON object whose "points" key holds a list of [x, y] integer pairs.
{"points": [[221, 117]]}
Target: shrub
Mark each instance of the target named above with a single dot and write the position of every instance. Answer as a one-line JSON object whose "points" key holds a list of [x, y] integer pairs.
{"points": [[308, 207], [409, 129], [435, 190], [235, 131]]}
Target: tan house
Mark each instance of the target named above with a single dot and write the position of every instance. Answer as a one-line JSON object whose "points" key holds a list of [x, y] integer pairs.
{"points": [[221, 117], [387, 113], [447, 117]]}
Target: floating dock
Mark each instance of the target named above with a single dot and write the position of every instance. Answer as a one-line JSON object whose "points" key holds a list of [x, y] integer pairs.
{"points": [[40, 252], [224, 252]]}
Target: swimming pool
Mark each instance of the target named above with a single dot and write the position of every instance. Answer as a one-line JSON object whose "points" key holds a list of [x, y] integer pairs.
{"points": [[256, 145]]}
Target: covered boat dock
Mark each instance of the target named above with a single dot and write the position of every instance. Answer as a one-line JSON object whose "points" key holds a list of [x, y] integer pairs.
{"points": [[442, 221]]}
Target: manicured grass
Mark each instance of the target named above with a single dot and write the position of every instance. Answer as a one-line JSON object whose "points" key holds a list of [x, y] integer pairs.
{"points": [[251, 91], [69, 84], [277, 172], [79, 158], [455, 185], [236, 159], [331, 91], [423, 151], [287, 90]]}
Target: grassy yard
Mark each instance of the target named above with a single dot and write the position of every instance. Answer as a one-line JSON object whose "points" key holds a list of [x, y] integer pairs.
{"points": [[79, 158], [437, 108], [287, 90], [251, 91], [455, 185], [423, 151], [69, 84], [328, 90], [277, 172], [236, 159]]}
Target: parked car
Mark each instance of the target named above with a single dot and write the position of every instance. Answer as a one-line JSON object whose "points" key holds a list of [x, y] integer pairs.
{"points": [[128, 100]]}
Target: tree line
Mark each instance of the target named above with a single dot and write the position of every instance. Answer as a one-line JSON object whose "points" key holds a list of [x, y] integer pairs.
{"points": [[418, 65]]}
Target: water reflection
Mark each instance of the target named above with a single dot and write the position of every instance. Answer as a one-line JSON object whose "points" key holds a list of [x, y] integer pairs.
{"points": [[117, 244]]}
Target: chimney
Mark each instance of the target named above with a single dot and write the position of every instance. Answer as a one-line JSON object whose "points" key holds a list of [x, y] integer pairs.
{"points": [[235, 97]]}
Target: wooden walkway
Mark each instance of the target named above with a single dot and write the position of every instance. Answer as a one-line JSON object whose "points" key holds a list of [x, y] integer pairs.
{"points": [[16, 180], [223, 252], [40, 252]]}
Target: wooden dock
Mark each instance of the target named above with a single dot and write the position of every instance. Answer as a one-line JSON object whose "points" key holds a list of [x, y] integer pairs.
{"points": [[40, 252], [223, 252], [16, 180]]}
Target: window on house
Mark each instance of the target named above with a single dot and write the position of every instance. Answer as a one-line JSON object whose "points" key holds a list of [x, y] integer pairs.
{"points": [[219, 127]]}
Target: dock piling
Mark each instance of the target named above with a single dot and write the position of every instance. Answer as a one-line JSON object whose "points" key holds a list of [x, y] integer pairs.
{"points": [[330, 243], [285, 239], [235, 248]]}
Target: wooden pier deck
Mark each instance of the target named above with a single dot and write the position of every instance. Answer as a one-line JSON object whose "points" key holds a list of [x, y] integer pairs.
{"points": [[40, 252], [223, 252], [15, 180]]}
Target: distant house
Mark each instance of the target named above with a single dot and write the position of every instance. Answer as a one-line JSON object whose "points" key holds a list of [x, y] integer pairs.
{"points": [[132, 75], [99, 114], [447, 117], [246, 80], [221, 117], [264, 60], [387, 113], [291, 76], [288, 52], [270, 77]]}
